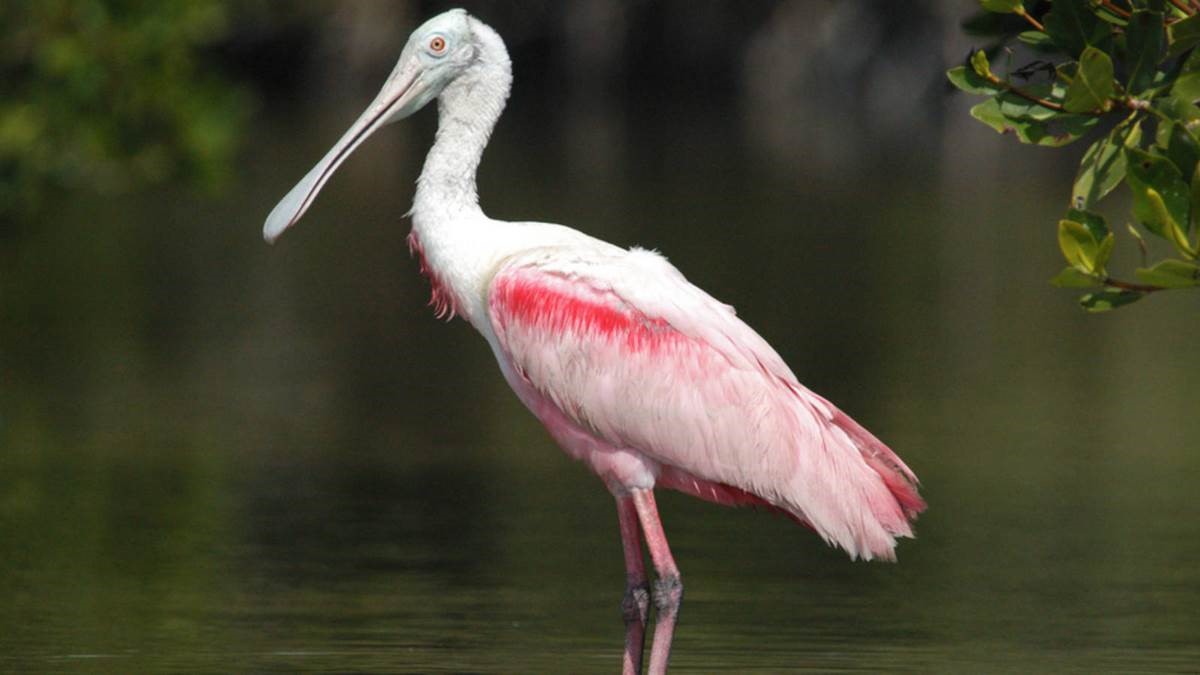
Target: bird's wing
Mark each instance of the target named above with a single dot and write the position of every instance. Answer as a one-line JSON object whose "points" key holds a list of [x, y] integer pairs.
{"points": [[631, 351]]}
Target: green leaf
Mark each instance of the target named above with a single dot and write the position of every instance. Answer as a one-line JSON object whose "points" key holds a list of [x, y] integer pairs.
{"points": [[1191, 64], [1170, 274], [1106, 300], [1194, 220], [989, 113], [1159, 193], [1187, 86], [1037, 39], [1003, 6], [1174, 233], [979, 63], [1083, 249], [1094, 222], [1183, 35], [1093, 84], [1107, 15], [1070, 277], [1102, 167], [1066, 71], [1103, 253], [1078, 246], [1019, 107], [1060, 130], [969, 81], [1145, 41], [1177, 109], [1073, 26], [1183, 151], [1141, 241], [1064, 129], [1160, 219], [1162, 137]]}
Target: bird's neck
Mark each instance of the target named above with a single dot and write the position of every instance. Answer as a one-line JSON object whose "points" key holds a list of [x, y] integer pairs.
{"points": [[467, 112], [446, 215]]}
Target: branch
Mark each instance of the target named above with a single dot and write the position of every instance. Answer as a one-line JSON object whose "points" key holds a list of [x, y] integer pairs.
{"points": [[1133, 103], [1023, 94], [1183, 7], [1129, 286], [1130, 102], [1032, 21], [1107, 4]]}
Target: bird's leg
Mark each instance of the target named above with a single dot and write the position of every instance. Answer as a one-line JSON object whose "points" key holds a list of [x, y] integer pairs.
{"points": [[668, 587], [635, 606]]}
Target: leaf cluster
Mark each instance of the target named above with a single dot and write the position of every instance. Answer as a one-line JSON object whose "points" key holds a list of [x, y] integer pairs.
{"points": [[108, 95], [1129, 71]]}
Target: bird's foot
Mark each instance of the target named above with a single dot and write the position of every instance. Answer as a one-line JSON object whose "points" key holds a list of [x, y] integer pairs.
{"points": [[635, 609], [668, 595]]}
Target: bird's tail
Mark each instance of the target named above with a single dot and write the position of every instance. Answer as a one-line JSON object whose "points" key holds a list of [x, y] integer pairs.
{"points": [[899, 479], [861, 506]]}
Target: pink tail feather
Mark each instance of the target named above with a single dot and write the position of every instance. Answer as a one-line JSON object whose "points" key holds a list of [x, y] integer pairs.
{"points": [[899, 479]]}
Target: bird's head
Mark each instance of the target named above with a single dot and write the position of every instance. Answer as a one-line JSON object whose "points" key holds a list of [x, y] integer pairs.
{"points": [[437, 53]]}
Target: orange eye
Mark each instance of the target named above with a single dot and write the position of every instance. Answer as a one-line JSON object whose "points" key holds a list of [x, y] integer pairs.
{"points": [[437, 45]]}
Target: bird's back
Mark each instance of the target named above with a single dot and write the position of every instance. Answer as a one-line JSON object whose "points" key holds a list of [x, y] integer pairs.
{"points": [[638, 358]]}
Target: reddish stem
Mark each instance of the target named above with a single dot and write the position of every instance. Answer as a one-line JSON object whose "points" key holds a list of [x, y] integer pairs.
{"points": [[1127, 286]]}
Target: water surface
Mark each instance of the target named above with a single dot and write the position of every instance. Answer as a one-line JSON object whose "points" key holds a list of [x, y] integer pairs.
{"points": [[227, 457]]}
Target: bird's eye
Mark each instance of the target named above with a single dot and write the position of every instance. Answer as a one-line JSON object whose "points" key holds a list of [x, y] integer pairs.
{"points": [[437, 45]]}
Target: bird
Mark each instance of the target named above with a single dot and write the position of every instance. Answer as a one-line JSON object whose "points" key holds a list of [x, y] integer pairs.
{"points": [[633, 370]]}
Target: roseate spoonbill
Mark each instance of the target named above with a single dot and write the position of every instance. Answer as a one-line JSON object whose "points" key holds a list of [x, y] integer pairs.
{"points": [[633, 370]]}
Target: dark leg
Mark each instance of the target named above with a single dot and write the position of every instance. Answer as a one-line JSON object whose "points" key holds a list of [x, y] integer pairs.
{"points": [[636, 603], [668, 587]]}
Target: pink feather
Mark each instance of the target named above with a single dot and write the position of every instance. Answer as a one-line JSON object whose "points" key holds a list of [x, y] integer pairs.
{"points": [[626, 359]]}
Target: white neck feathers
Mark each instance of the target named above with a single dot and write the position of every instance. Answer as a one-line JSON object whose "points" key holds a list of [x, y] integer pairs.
{"points": [[467, 112]]}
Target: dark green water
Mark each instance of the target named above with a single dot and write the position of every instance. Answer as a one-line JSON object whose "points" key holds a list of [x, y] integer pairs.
{"points": [[223, 456]]}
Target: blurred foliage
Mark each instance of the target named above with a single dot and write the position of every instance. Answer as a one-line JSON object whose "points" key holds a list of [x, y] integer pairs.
{"points": [[109, 95], [1128, 70]]}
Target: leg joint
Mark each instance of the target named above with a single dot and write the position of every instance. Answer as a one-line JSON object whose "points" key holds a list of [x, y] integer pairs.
{"points": [[668, 593], [635, 606]]}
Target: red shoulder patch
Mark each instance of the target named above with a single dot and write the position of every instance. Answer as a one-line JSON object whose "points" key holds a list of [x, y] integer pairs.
{"points": [[558, 305]]}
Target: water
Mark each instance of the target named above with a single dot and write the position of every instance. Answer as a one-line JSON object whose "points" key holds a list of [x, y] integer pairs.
{"points": [[227, 457]]}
